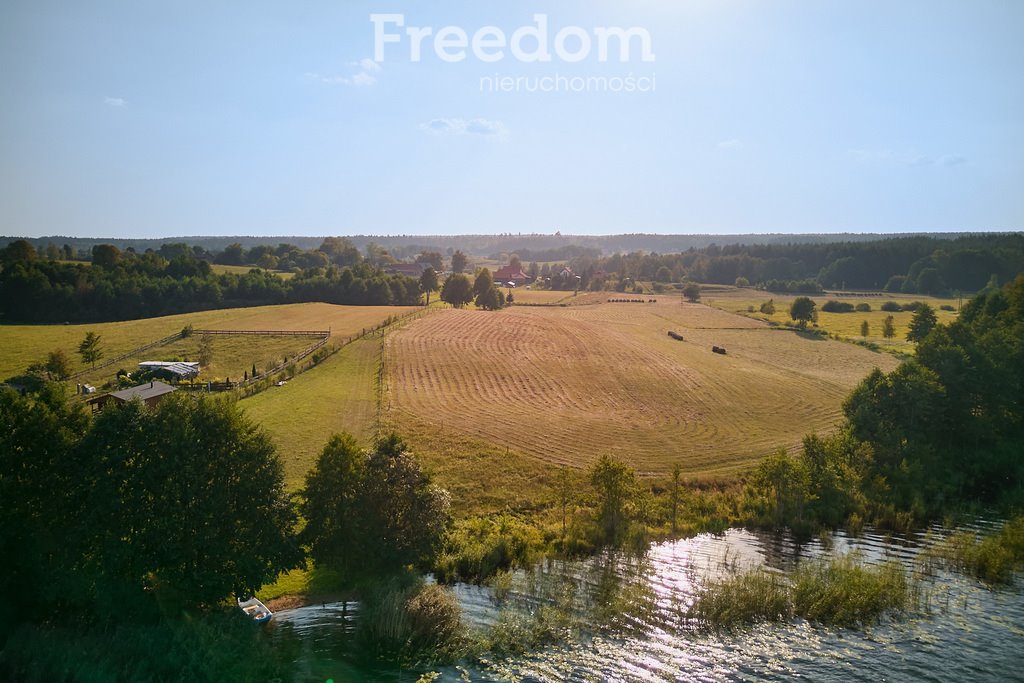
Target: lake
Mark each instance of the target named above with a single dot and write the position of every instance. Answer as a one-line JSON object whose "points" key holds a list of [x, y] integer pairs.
{"points": [[624, 620]]}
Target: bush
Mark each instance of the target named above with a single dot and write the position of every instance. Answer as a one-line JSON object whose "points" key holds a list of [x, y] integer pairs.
{"points": [[992, 559], [842, 592], [832, 306], [741, 599], [946, 307], [891, 307], [863, 307], [411, 620], [912, 306]]}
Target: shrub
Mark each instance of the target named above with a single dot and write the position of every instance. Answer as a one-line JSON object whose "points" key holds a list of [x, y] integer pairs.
{"points": [[741, 599], [912, 306], [863, 307], [832, 306], [992, 559], [891, 307], [843, 592], [946, 307]]}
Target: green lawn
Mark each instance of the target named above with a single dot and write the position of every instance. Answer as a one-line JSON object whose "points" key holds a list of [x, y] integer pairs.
{"points": [[338, 395]]}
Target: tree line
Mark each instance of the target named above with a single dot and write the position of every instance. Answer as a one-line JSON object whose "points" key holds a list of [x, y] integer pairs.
{"points": [[124, 285]]}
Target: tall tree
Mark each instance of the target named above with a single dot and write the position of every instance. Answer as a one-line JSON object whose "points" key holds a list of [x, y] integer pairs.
{"points": [[330, 504], [692, 292], [106, 256], [865, 328], [484, 281], [802, 310], [90, 349], [433, 258], [428, 282], [615, 485], [889, 327], [457, 290], [459, 262], [922, 323], [372, 513], [58, 365]]}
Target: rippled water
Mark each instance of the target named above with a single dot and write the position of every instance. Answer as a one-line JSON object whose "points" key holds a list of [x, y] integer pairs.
{"points": [[636, 629]]}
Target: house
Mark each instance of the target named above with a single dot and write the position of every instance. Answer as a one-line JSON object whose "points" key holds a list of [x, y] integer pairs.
{"points": [[150, 394], [511, 274], [407, 269]]}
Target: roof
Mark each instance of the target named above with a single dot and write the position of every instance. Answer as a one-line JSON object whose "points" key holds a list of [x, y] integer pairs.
{"points": [[144, 391], [510, 273], [176, 369]]}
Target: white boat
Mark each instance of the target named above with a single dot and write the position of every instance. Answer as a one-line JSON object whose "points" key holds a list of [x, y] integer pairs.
{"points": [[256, 610]]}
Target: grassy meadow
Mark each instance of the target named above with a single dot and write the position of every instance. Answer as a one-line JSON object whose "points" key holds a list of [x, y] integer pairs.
{"points": [[845, 325], [27, 344], [338, 395], [242, 270]]}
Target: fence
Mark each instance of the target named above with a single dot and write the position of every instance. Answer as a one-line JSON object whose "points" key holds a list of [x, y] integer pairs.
{"points": [[133, 352], [268, 333]]}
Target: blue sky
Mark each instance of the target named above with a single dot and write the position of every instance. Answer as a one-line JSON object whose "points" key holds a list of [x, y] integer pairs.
{"points": [[146, 119]]}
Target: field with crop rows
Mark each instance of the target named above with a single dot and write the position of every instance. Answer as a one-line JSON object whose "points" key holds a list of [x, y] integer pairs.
{"points": [[564, 385]]}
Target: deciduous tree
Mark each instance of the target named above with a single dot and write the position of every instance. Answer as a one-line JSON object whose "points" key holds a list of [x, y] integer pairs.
{"points": [[459, 262], [90, 349], [428, 282], [802, 310], [457, 290], [889, 327]]}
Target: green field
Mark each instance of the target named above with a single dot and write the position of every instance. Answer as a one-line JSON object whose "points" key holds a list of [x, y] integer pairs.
{"points": [[338, 395], [242, 270], [845, 325], [26, 344]]}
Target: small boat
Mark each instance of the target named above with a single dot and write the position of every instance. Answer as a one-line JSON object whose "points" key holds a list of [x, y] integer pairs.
{"points": [[255, 609]]}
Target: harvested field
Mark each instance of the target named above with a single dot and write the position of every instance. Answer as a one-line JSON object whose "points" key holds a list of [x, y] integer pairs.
{"points": [[564, 385], [27, 344]]}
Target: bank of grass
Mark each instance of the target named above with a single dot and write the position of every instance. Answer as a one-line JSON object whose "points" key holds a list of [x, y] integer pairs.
{"points": [[840, 591], [993, 559]]}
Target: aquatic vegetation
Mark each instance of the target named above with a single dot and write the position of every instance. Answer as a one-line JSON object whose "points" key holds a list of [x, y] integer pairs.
{"points": [[840, 591], [844, 592], [740, 599], [993, 559]]}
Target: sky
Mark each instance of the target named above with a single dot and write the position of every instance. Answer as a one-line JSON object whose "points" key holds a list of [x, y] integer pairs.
{"points": [[155, 119]]}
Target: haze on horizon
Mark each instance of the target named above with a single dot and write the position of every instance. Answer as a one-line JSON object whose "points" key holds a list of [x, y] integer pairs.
{"points": [[133, 120]]}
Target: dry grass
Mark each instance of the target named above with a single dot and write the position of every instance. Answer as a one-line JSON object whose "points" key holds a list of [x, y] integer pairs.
{"points": [[538, 296], [25, 344], [564, 385], [846, 325]]}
